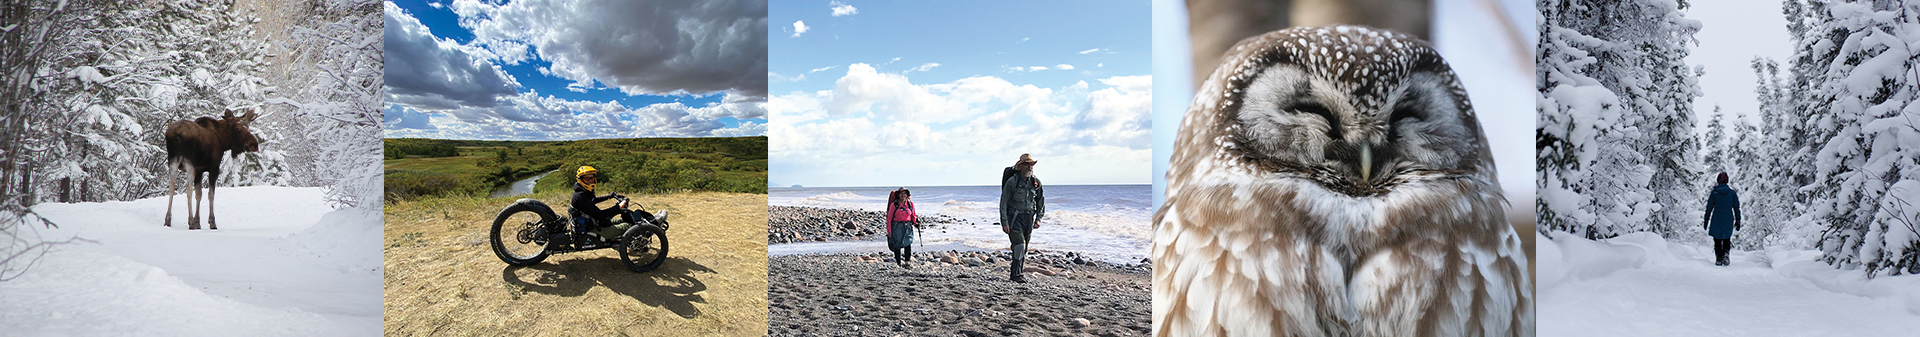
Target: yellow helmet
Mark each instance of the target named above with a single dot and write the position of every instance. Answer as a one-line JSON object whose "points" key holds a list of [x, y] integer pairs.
{"points": [[584, 171]]}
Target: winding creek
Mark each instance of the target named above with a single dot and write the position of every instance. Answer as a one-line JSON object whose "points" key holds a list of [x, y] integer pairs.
{"points": [[520, 187]]}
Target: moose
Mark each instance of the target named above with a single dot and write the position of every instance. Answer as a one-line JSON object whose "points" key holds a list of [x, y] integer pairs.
{"points": [[194, 147]]}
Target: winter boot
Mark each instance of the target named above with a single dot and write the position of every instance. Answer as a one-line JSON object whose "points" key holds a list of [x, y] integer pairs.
{"points": [[1017, 272], [1720, 249]]}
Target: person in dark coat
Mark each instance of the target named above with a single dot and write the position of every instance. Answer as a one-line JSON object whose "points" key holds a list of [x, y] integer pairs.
{"points": [[1023, 203], [586, 215], [1723, 217]]}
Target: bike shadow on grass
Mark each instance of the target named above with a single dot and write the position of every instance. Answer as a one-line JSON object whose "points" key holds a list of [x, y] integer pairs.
{"points": [[673, 286]]}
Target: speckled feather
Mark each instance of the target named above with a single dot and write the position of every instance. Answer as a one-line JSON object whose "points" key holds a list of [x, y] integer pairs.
{"points": [[1267, 229]]}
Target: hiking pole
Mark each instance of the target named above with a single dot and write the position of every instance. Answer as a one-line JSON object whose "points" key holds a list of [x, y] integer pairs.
{"points": [[916, 236]]}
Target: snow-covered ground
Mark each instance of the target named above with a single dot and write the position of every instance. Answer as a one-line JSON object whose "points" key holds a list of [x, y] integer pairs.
{"points": [[1642, 285], [282, 263]]}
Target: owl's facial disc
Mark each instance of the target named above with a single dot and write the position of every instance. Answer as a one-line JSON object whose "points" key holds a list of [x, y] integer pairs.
{"points": [[1294, 121], [1353, 110]]}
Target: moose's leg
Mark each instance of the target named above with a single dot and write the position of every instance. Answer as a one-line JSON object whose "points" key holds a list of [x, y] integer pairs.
{"points": [[193, 216], [173, 186], [213, 181]]}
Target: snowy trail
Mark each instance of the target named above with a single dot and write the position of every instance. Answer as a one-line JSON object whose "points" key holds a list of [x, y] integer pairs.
{"points": [[1641, 285], [282, 257]]}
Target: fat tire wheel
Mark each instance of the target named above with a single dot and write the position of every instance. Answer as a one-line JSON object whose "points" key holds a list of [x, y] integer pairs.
{"points": [[658, 235], [501, 250]]}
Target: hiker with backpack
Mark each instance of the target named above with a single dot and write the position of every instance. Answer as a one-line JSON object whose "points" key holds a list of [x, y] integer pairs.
{"points": [[1722, 219], [1022, 204], [901, 222]]}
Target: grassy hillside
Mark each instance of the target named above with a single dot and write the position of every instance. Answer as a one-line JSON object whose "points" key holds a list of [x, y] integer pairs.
{"points": [[435, 167]]}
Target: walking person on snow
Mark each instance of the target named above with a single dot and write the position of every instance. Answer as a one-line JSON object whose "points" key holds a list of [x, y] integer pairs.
{"points": [[1723, 217], [901, 221], [1022, 204]]}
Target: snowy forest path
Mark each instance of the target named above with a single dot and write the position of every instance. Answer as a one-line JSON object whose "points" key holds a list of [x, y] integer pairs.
{"points": [[253, 259], [1632, 286]]}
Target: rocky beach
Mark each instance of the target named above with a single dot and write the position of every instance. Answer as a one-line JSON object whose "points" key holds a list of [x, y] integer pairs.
{"points": [[955, 294], [790, 224], [947, 293]]}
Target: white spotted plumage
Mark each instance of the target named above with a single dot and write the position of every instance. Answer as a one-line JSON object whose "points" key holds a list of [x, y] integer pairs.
{"points": [[1334, 181]]}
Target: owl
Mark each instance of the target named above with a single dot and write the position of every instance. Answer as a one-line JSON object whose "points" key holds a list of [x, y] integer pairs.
{"points": [[1333, 181]]}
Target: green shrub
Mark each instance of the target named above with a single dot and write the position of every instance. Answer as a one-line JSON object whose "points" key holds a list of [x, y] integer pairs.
{"points": [[406, 185], [640, 165]]}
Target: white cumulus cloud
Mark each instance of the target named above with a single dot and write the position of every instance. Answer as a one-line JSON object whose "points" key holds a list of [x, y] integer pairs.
{"points": [[799, 27], [923, 67], [531, 116], [842, 9], [437, 73], [639, 47], [1101, 131]]}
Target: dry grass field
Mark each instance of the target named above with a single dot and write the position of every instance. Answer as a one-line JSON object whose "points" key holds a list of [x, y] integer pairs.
{"points": [[442, 278]]}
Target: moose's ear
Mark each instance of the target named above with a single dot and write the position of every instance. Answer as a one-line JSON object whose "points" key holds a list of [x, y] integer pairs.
{"points": [[229, 114]]}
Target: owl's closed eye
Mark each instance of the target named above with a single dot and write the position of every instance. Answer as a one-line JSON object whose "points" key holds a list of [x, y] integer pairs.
{"points": [[1334, 181]]}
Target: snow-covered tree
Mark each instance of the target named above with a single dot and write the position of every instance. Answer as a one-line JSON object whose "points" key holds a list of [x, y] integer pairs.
{"points": [[28, 31], [339, 49], [105, 88], [1713, 145], [1854, 88], [1763, 166], [1615, 149], [89, 87], [140, 68]]}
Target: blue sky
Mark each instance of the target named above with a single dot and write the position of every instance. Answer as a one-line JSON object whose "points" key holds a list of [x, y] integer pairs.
{"points": [[901, 93], [554, 70]]}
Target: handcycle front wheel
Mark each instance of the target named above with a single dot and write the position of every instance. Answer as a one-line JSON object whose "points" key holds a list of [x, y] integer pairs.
{"points": [[643, 248]]}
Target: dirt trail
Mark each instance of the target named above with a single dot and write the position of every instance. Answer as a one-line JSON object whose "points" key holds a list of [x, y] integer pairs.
{"points": [[443, 279]]}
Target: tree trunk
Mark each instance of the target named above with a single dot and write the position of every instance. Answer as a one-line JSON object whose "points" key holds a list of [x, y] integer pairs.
{"points": [[26, 190]]}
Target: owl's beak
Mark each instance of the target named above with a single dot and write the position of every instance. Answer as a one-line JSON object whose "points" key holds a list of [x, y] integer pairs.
{"points": [[1366, 162]]}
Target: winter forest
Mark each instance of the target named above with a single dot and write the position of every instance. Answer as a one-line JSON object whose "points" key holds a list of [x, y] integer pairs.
{"points": [[1826, 163], [1824, 168], [89, 86]]}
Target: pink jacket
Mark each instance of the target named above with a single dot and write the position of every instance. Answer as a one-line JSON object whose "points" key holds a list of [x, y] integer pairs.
{"points": [[901, 212]]}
